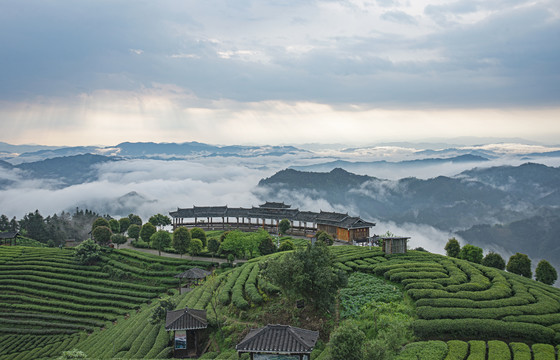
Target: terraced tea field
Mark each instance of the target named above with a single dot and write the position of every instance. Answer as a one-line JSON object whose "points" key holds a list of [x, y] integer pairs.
{"points": [[48, 302], [457, 299]]}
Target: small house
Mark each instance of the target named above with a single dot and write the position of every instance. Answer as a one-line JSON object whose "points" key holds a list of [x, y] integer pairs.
{"points": [[278, 342], [394, 244], [10, 236], [186, 324]]}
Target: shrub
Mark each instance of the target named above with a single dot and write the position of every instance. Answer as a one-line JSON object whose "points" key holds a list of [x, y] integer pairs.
{"points": [[519, 264], [88, 252], [477, 350], [452, 248], [286, 245], [546, 273], [346, 342], [198, 233], [543, 352], [521, 351], [458, 350], [494, 260], [498, 350]]}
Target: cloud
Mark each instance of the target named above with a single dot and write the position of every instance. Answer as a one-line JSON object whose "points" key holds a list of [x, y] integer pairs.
{"points": [[399, 17]]}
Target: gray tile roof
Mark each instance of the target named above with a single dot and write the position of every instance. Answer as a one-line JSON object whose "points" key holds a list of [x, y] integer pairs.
{"points": [[9, 234], [194, 273], [185, 319], [279, 339], [277, 212]]}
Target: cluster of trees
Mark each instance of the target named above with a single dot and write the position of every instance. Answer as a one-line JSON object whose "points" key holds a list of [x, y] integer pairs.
{"points": [[308, 274], [53, 230], [518, 264]]}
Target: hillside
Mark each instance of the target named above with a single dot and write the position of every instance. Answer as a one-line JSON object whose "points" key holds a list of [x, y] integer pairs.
{"points": [[49, 302], [454, 300]]}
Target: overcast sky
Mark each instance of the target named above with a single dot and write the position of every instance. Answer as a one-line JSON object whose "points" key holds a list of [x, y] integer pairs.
{"points": [[271, 72]]}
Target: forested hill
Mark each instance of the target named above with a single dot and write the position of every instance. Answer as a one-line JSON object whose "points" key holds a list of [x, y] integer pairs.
{"points": [[481, 196]]}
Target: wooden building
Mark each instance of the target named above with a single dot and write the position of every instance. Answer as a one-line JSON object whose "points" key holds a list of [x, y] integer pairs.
{"points": [[9, 237], [393, 245], [273, 341], [186, 324], [268, 216]]}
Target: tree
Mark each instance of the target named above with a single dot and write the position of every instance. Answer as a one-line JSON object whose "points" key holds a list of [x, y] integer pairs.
{"points": [[135, 219], [198, 233], [34, 225], [160, 240], [286, 245], [4, 223], [307, 274], [147, 231], [124, 223], [88, 252], [494, 260], [324, 237], [213, 246], [267, 246], [452, 248], [471, 253], [195, 247], [102, 234], [118, 239], [100, 222], [160, 220], [134, 231], [546, 273], [520, 264], [181, 240], [114, 226], [160, 312], [347, 341], [284, 226]]}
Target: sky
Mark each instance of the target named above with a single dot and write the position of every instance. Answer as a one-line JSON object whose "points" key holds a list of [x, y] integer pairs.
{"points": [[277, 72]]}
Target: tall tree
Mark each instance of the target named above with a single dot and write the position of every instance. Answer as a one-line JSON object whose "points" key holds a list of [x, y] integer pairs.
{"points": [[160, 220], [520, 264], [135, 219], [181, 240], [102, 234], [147, 231], [546, 273], [213, 246], [452, 248], [100, 221], [114, 226], [284, 226], [134, 231], [160, 240], [471, 253], [34, 226], [198, 233], [195, 247], [4, 223], [124, 223], [494, 260], [308, 274]]}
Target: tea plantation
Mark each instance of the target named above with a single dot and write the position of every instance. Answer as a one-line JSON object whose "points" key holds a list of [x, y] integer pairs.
{"points": [[462, 310]]}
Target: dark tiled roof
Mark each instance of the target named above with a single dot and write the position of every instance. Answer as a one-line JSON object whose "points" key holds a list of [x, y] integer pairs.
{"points": [[279, 339], [275, 205], [275, 213], [194, 273], [9, 234], [185, 319]]}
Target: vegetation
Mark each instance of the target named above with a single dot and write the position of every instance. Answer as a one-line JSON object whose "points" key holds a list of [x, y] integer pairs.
{"points": [[147, 231], [494, 260], [471, 253], [452, 248], [546, 273], [520, 264], [284, 226], [160, 240], [181, 240]]}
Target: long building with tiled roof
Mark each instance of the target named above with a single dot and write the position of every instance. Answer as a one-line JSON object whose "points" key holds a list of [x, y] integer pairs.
{"points": [[268, 216]]}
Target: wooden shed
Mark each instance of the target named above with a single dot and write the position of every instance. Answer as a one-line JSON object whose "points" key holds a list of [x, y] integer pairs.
{"points": [[185, 324], [10, 236], [394, 244], [278, 342]]}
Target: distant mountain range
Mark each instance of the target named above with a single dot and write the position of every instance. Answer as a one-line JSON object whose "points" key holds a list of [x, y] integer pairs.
{"points": [[470, 203], [371, 166]]}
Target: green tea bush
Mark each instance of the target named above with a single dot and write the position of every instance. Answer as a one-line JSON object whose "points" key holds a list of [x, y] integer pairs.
{"points": [[433, 350], [458, 350], [543, 352], [477, 350], [498, 350], [520, 351]]}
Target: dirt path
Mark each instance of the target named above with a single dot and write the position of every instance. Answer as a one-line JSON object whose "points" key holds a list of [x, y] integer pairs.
{"points": [[128, 245]]}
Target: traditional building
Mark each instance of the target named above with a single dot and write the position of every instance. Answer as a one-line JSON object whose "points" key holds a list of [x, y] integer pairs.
{"points": [[393, 245], [185, 324], [275, 341], [10, 236], [268, 215]]}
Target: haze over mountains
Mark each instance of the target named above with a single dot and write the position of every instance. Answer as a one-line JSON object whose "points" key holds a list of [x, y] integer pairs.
{"points": [[493, 195]]}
